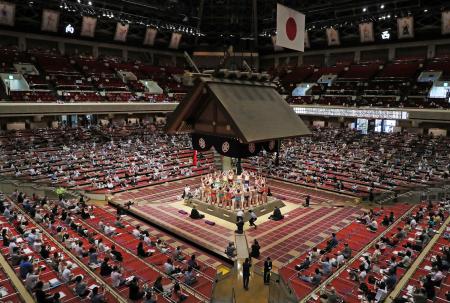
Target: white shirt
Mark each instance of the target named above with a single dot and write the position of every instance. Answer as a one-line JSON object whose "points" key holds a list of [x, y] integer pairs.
{"points": [[31, 280], [116, 278], [31, 238], [66, 275], [240, 213], [374, 224], [11, 247], [147, 240], [168, 268], [339, 260], [136, 233], [438, 276], [380, 295], [78, 250], [187, 189], [362, 275]]}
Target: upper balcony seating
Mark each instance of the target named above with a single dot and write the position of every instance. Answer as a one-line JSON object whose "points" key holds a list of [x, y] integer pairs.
{"points": [[136, 86], [301, 100], [398, 71], [97, 68], [173, 87], [360, 71], [342, 88], [111, 84], [82, 97], [383, 88], [156, 98], [335, 70], [121, 97], [55, 64], [71, 82], [9, 56], [33, 96], [420, 88], [439, 64], [297, 74], [36, 82]]}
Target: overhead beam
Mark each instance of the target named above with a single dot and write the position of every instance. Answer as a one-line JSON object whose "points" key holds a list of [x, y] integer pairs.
{"points": [[199, 22], [255, 22]]}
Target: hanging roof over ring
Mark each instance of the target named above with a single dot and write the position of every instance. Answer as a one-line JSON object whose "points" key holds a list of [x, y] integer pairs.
{"points": [[247, 110]]}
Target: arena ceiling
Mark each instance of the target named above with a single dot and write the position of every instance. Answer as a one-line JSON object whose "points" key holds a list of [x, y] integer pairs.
{"points": [[245, 24]]}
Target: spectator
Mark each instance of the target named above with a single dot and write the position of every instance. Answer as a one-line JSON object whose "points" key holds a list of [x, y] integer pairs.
{"points": [[134, 291], [314, 279], [80, 287], [255, 249]]}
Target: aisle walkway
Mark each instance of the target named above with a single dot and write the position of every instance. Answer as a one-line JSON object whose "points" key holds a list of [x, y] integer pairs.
{"points": [[233, 285], [241, 246]]}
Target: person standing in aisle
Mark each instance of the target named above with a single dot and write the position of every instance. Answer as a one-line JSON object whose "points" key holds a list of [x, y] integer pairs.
{"points": [[246, 272], [267, 269]]}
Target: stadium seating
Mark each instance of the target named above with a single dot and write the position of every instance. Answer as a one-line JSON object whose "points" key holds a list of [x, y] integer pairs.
{"points": [[357, 236], [88, 172], [376, 84], [398, 71], [367, 84], [146, 269], [327, 174], [439, 64], [82, 96], [79, 79], [33, 96], [360, 72], [425, 268], [48, 274]]}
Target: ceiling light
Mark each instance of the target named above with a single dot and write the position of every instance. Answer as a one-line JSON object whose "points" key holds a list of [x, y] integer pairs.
{"points": [[364, 9], [382, 6]]}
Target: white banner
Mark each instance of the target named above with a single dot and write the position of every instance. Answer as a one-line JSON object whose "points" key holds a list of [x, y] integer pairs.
{"points": [[150, 36], [290, 28], [333, 36], [446, 22], [405, 27], [307, 44], [175, 41], [88, 26], [7, 13], [366, 32], [50, 20], [121, 32]]}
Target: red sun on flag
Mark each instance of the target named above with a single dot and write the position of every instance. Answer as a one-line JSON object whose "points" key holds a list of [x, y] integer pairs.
{"points": [[291, 28]]}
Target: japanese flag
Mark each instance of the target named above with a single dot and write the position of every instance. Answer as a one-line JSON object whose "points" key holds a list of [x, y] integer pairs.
{"points": [[290, 28]]}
